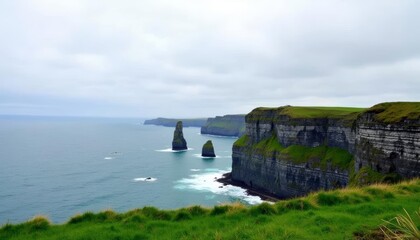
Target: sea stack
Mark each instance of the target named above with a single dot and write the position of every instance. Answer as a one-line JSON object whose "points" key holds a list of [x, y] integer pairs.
{"points": [[208, 150], [179, 142]]}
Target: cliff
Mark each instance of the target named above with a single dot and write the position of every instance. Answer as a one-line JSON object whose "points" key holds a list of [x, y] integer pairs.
{"points": [[388, 139], [228, 125], [170, 122], [290, 151]]}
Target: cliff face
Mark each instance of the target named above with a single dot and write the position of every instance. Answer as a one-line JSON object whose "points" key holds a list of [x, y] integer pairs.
{"points": [[228, 125], [282, 177], [291, 151], [387, 142]]}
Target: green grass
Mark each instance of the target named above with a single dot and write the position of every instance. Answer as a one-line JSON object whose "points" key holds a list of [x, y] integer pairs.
{"points": [[242, 141], [392, 112], [403, 226], [366, 175], [269, 114], [389, 112], [268, 146], [321, 156], [320, 112], [338, 214]]}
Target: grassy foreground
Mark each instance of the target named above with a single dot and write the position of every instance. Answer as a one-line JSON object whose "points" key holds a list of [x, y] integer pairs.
{"points": [[351, 213]]}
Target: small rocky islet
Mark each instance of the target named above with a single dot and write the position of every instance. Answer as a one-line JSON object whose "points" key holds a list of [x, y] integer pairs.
{"points": [[179, 143], [208, 150]]}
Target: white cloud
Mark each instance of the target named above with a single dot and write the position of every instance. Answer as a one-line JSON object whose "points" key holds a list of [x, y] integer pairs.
{"points": [[202, 58]]}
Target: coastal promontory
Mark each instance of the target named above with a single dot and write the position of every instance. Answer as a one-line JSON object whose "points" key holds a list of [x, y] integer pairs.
{"points": [[179, 143], [228, 125], [291, 151]]}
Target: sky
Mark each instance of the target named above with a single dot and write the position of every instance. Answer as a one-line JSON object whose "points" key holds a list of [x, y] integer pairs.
{"points": [[180, 58]]}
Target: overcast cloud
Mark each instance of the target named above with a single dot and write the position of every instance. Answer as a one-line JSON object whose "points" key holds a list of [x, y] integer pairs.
{"points": [[204, 58]]}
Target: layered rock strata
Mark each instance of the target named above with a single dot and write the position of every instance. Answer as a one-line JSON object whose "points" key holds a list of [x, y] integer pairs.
{"points": [[291, 154]]}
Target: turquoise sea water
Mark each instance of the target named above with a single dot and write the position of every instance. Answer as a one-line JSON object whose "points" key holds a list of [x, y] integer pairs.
{"points": [[59, 167]]}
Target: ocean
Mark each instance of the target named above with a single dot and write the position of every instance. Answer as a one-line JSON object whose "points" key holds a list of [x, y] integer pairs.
{"points": [[61, 166]]}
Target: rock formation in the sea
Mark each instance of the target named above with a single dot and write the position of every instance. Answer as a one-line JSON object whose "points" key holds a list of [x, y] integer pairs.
{"points": [[171, 122], [291, 151], [228, 125], [208, 150], [179, 142]]}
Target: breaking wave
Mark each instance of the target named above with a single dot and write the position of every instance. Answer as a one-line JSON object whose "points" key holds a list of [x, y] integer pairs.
{"points": [[206, 182]]}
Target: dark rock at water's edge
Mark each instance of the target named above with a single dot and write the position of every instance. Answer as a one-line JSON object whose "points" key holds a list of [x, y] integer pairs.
{"points": [[291, 151], [228, 125], [226, 179], [171, 122], [179, 143], [208, 149]]}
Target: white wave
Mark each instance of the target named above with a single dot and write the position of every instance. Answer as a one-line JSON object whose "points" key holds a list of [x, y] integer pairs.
{"points": [[146, 179], [217, 136], [195, 170], [170, 150], [206, 182], [217, 156], [199, 156], [108, 158]]}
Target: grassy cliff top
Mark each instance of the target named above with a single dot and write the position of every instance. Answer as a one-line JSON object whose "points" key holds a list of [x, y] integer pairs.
{"points": [[391, 112], [388, 112], [309, 112], [351, 213], [320, 112]]}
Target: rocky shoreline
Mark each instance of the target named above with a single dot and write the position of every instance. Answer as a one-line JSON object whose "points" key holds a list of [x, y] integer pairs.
{"points": [[226, 179]]}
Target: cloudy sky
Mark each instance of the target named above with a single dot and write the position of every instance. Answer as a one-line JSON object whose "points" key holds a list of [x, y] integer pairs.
{"points": [[193, 58]]}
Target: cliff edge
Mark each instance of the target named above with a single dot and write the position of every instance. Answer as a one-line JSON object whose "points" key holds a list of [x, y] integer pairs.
{"points": [[291, 151]]}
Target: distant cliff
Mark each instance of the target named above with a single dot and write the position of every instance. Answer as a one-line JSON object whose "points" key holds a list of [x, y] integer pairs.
{"points": [[291, 151], [170, 122], [228, 125]]}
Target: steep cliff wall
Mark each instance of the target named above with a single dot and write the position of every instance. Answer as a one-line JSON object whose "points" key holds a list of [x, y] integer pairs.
{"points": [[289, 172], [290, 151], [388, 139], [228, 125]]}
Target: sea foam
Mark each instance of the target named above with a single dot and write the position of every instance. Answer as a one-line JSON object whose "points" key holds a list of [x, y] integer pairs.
{"points": [[207, 182], [217, 156], [170, 150], [143, 179]]}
